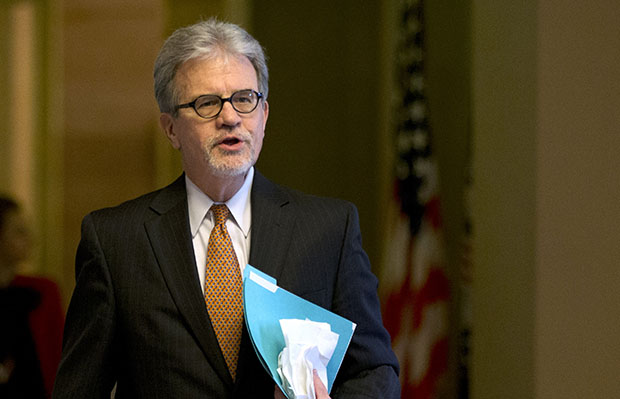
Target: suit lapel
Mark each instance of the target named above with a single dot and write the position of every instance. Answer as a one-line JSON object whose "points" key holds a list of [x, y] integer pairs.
{"points": [[171, 240], [272, 226]]}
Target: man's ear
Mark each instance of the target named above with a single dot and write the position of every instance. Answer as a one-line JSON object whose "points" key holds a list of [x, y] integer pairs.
{"points": [[266, 113], [166, 121]]}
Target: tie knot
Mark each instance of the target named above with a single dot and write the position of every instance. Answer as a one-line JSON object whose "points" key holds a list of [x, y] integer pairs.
{"points": [[220, 213]]}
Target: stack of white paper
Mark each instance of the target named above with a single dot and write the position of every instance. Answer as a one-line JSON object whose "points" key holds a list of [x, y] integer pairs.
{"points": [[309, 346]]}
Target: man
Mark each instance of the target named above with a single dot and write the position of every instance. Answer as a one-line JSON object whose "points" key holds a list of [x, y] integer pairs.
{"points": [[145, 313]]}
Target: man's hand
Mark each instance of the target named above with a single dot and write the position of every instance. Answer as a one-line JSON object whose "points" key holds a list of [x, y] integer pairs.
{"points": [[319, 388]]}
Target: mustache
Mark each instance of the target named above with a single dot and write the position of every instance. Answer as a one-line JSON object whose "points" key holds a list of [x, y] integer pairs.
{"points": [[240, 135]]}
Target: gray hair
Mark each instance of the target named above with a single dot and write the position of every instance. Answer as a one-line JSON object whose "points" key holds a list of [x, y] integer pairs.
{"points": [[205, 39]]}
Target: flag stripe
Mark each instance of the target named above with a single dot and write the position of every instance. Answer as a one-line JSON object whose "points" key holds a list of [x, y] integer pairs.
{"points": [[418, 291]]}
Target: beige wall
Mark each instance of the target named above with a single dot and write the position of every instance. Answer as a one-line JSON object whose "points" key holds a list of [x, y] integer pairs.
{"points": [[546, 131], [109, 129], [29, 154], [578, 200], [504, 214]]}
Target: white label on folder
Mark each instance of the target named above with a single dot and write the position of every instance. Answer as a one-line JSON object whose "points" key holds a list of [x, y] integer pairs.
{"points": [[262, 282]]}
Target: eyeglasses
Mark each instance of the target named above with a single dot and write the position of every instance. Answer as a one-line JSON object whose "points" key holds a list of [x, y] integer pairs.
{"points": [[209, 105]]}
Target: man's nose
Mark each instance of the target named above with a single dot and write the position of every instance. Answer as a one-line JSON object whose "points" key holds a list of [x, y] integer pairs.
{"points": [[228, 116]]}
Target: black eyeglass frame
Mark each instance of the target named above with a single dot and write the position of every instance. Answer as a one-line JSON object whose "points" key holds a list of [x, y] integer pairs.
{"points": [[192, 104]]}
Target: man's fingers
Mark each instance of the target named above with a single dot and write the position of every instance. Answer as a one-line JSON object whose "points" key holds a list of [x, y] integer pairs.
{"points": [[319, 388], [277, 393]]}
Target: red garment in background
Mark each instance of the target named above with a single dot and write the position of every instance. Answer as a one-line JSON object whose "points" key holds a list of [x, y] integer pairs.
{"points": [[46, 325]]}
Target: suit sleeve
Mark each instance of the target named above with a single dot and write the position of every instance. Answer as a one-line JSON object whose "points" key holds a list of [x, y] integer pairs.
{"points": [[370, 368], [86, 368]]}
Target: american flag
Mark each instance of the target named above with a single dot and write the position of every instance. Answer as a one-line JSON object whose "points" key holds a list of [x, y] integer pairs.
{"points": [[415, 288]]}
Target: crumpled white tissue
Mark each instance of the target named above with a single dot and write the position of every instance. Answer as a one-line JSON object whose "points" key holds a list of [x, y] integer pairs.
{"points": [[309, 346]]}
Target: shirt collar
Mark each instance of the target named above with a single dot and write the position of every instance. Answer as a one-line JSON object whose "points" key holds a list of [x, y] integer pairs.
{"points": [[199, 204]]}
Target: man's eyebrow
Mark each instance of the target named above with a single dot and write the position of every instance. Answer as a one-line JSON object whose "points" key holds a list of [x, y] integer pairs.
{"points": [[220, 95]]}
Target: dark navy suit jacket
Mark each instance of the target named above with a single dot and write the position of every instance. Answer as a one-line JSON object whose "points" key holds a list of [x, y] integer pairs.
{"points": [[138, 320]]}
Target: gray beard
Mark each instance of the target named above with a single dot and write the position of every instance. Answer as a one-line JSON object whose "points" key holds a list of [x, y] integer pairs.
{"points": [[228, 164], [222, 166]]}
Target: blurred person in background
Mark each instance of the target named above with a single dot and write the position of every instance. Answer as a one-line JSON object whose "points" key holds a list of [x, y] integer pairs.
{"points": [[30, 313]]}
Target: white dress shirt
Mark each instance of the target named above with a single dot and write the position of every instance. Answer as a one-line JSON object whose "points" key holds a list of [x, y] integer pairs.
{"points": [[238, 224]]}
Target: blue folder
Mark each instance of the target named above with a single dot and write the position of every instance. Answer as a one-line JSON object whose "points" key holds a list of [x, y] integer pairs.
{"points": [[265, 304]]}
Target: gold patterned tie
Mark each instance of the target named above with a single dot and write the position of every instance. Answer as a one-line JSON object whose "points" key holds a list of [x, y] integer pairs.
{"points": [[223, 289]]}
